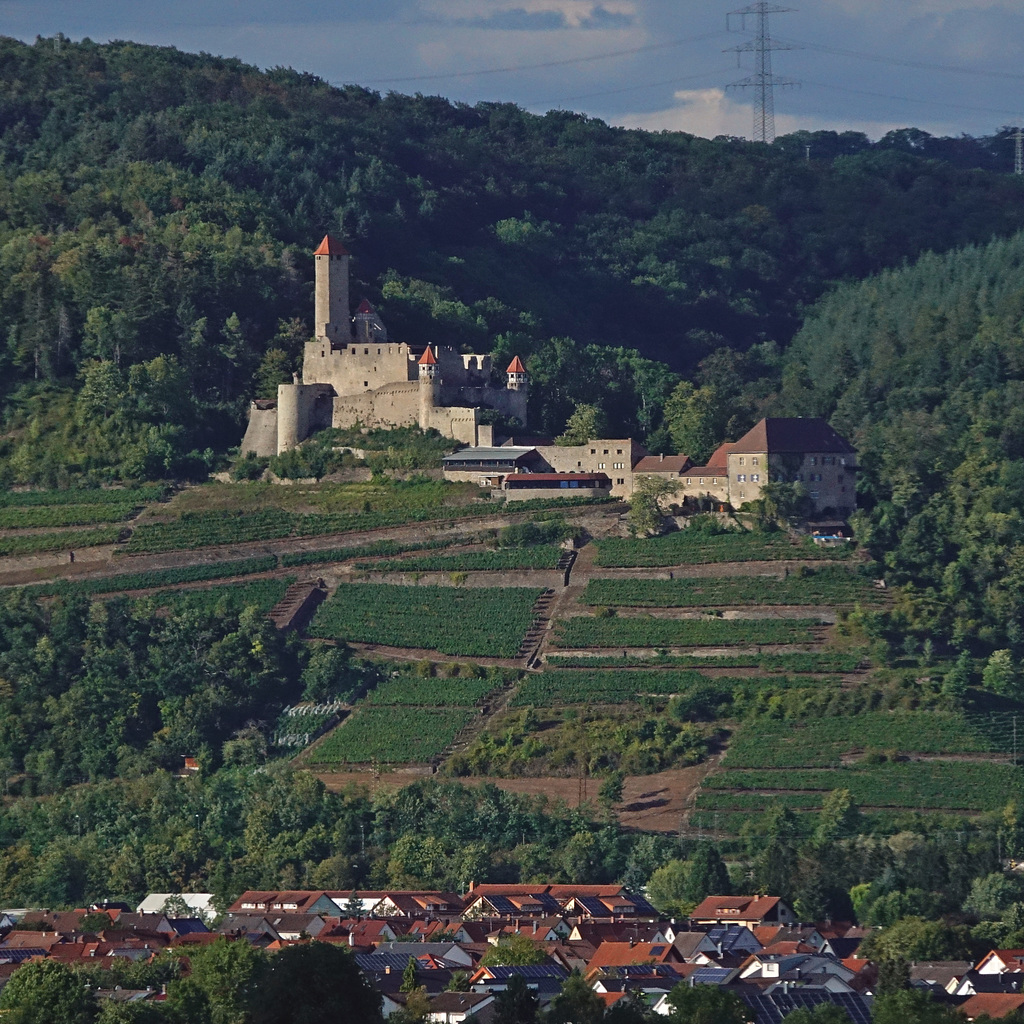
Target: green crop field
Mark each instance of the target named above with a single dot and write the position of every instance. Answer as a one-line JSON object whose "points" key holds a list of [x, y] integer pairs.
{"points": [[829, 585], [696, 547], [68, 540], [48, 516], [83, 496], [225, 598], [472, 622], [578, 686], [156, 577], [376, 549], [393, 735], [822, 742], [624, 631], [544, 556], [791, 661], [956, 785], [430, 692]]}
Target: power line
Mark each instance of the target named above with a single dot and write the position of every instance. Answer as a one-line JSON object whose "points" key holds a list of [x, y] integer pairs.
{"points": [[547, 64], [905, 99], [903, 62], [762, 81]]}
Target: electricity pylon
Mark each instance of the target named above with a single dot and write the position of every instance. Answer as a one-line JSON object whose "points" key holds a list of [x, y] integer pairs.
{"points": [[762, 81]]}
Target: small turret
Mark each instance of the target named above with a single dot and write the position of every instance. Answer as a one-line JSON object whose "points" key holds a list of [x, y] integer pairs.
{"points": [[428, 365], [430, 387], [517, 378]]}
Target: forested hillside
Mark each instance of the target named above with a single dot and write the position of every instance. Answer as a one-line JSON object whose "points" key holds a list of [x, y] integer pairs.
{"points": [[157, 210], [924, 367]]}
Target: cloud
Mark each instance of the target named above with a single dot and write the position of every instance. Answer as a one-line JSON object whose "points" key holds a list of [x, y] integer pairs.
{"points": [[712, 112], [533, 15]]}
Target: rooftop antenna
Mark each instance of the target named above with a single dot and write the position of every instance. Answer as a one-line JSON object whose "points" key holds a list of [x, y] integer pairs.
{"points": [[762, 81]]}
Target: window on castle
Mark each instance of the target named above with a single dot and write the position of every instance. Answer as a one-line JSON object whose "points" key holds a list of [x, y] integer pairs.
{"points": [[742, 461], [366, 383], [621, 481], [366, 351], [618, 451], [593, 451], [755, 477], [606, 451], [753, 461], [741, 477], [814, 460], [702, 480], [814, 494]]}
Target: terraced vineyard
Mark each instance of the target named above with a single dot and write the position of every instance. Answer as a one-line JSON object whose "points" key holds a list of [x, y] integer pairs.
{"points": [[831, 585], [791, 661], [427, 692], [478, 622], [960, 785], [822, 742], [688, 547], [391, 735], [624, 631], [225, 598], [156, 577], [544, 556], [69, 540]]}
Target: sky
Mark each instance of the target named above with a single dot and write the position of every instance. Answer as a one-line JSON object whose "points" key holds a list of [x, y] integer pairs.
{"points": [[945, 66]]}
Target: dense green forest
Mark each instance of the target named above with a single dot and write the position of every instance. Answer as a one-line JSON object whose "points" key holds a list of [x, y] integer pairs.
{"points": [[924, 367], [157, 210]]}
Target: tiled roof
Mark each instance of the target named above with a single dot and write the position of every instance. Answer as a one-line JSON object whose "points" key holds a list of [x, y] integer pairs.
{"points": [[330, 247], [516, 366], [994, 1004], [794, 434], [662, 464], [427, 359]]}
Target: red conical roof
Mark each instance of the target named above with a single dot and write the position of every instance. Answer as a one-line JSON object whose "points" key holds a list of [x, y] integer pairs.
{"points": [[516, 366], [427, 359], [330, 247]]}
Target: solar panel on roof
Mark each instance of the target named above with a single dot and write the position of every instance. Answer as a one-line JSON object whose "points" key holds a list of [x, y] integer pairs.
{"points": [[710, 975], [776, 1006]]}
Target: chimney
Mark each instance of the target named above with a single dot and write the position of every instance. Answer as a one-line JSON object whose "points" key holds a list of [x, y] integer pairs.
{"points": [[351, 939], [661, 458]]}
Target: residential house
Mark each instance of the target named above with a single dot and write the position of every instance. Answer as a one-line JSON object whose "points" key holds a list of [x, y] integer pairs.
{"points": [[748, 910]]}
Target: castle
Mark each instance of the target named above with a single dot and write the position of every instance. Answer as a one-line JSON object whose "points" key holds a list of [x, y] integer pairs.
{"points": [[352, 373]]}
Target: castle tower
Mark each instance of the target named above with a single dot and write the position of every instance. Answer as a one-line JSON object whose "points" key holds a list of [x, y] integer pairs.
{"points": [[430, 386], [517, 378], [331, 309]]}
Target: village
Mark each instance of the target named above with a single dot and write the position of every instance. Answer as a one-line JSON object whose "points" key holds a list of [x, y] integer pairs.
{"points": [[460, 952]]}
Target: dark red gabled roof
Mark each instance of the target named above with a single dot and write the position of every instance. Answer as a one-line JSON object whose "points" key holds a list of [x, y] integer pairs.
{"points": [[330, 247], [796, 435], [516, 366], [365, 307]]}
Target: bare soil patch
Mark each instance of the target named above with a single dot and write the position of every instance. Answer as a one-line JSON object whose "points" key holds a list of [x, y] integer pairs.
{"points": [[650, 803]]}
